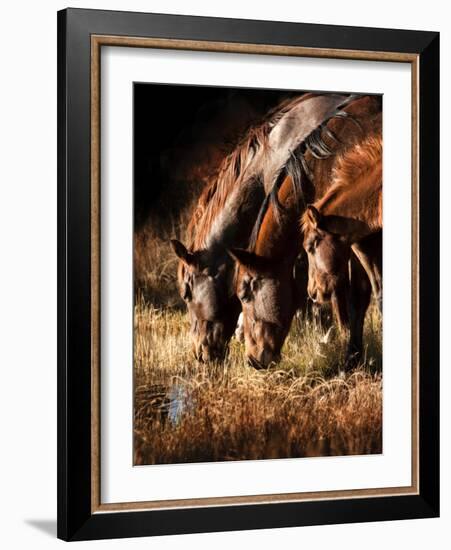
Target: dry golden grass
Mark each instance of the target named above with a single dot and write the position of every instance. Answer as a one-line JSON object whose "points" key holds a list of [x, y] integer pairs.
{"points": [[154, 262], [155, 267], [191, 412]]}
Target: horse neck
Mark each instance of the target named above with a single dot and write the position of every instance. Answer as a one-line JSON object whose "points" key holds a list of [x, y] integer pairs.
{"points": [[360, 199], [229, 219], [231, 224], [277, 236]]}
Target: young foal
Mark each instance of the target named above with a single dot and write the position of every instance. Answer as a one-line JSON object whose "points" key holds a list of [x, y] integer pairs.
{"points": [[264, 280], [347, 219], [348, 215]]}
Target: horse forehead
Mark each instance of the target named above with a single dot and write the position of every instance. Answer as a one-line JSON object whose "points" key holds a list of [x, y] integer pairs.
{"points": [[328, 256], [323, 261], [209, 291], [270, 300], [205, 304], [309, 233]]}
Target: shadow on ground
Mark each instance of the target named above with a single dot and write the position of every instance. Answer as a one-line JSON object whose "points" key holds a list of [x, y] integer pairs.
{"points": [[47, 526]]}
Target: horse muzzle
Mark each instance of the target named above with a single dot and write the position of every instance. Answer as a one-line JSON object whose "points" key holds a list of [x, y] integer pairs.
{"points": [[266, 360]]}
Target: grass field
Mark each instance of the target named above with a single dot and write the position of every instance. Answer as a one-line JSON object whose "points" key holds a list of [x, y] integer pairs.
{"points": [[186, 411]]}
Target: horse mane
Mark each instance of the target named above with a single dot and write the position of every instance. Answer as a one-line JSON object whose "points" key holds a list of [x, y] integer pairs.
{"points": [[306, 223], [297, 168], [351, 165], [299, 180], [232, 172], [355, 161]]}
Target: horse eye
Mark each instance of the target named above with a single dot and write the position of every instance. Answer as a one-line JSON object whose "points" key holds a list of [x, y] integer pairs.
{"points": [[186, 293], [312, 245], [254, 285], [245, 293]]}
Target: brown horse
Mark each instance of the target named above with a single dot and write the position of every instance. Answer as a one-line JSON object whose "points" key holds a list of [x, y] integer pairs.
{"points": [[226, 214], [347, 215], [264, 280]]}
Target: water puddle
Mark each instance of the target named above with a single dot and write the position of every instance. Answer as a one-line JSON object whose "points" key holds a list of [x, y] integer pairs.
{"points": [[163, 402], [179, 402]]}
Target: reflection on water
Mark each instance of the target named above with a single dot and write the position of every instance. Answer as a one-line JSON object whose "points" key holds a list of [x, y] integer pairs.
{"points": [[162, 402], [179, 402]]}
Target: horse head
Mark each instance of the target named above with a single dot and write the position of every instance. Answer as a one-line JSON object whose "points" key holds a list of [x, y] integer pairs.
{"points": [[325, 240], [205, 286], [266, 290]]}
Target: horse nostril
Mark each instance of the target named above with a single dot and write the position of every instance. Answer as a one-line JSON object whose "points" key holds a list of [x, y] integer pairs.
{"points": [[199, 353], [255, 363], [269, 358]]}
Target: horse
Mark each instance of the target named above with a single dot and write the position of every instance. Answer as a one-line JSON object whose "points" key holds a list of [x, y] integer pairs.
{"points": [[264, 279], [227, 211], [348, 215]]}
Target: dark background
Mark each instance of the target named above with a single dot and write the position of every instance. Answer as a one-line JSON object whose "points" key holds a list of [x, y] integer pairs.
{"points": [[181, 134]]}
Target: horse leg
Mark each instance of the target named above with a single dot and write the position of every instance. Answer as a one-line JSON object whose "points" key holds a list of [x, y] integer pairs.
{"points": [[359, 300], [369, 252], [340, 306], [300, 279]]}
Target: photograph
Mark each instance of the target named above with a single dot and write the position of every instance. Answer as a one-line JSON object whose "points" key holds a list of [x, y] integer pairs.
{"points": [[248, 273], [257, 273], [226, 264]]}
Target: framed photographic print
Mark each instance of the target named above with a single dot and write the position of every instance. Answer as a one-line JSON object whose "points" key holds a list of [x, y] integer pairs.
{"points": [[248, 274]]}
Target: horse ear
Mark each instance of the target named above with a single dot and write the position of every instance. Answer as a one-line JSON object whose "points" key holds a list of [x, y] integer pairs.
{"points": [[250, 260], [332, 224], [241, 256], [313, 215], [182, 252]]}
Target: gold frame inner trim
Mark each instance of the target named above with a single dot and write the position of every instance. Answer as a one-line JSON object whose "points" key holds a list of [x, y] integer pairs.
{"points": [[97, 41]]}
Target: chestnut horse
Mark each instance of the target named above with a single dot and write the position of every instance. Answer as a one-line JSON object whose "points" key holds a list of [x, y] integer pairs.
{"points": [[226, 214], [346, 216], [264, 281]]}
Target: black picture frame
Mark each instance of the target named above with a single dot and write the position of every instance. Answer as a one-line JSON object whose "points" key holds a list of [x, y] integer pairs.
{"points": [[76, 521]]}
